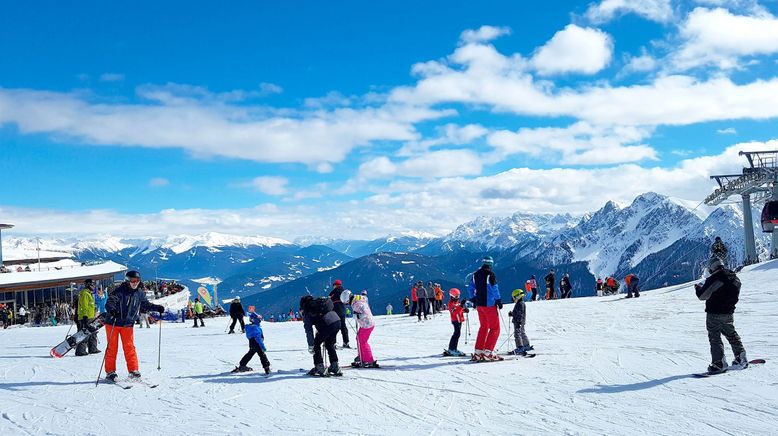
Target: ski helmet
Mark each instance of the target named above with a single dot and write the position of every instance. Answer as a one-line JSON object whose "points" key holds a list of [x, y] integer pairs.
{"points": [[487, 260], [88, 282], [345, 296], [132, 275], [714, 264], [337, 283], [517, 294], [454, 293], [304, 301], [255, 318]]}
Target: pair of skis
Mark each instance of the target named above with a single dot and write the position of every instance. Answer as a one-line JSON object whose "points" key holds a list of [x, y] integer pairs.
{"points": [[128, 383]]}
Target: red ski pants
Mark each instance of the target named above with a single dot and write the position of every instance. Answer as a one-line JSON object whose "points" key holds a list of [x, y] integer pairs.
{"points": [[128, 345], [489, 331]]}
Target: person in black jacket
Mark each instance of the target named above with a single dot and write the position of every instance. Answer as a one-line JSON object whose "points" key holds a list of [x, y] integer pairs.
{"points": [[721, 292], [718, 249], [320, 313], [237, 313], [566, 287], [550, 280], [340, 309]]}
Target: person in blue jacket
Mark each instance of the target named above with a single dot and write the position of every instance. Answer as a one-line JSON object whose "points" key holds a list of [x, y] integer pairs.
{"points": [[100, 299], [256, 345]]}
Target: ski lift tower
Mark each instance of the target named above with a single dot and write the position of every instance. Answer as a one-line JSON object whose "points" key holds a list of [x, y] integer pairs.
{"points": [[759, 179]]}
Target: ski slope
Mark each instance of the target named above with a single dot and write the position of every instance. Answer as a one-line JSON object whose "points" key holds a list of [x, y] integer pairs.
{"points": [[604, 366]]}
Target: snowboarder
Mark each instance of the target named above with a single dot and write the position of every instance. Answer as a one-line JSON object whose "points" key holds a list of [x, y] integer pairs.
{"points": [[550, 281], [237, 313], [365, 326], [320, 313], [519, 316], [256, 345], [457, 312], [718, 249], [123, 306], [486, 298], [632, 282], [566, 287], [406, 304], [86, 313], [389, 309], [340, 309], [533, 284], [720, 292], [198, 312]]}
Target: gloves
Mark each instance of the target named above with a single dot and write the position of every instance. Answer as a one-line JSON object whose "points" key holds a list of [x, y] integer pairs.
{"points": [[697, 287], [310, 349], [467, 310], [510, 314], [498, 303]]}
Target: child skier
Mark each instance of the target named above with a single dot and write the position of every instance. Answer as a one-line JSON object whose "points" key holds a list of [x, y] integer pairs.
{"points": [[256, 345], [721, 292], [366, 324], [457, 312], [519, 315]]}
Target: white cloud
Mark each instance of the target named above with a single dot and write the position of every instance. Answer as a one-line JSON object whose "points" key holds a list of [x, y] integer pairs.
{"points": [[483, 34], [159, 182], [449, 134], [376, 168], [574, 49], [654, 10], [639, 64], [727, 131], [720, 38], [441, 163], [270, 185], [111, 77], [266, 88]]}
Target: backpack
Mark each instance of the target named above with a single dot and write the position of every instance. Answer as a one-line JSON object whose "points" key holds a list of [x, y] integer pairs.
{"points": [[320, 306]]}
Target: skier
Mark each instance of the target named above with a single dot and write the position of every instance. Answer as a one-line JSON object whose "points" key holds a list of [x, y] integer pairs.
{"points": [[256, 345], [123, 306], [486, 298], [365, 324], [718, 249], [406, 304], [519, 316], [720, 293], [415, 299], [237, 313], [457, 312], [611, 285], [550, 280], [533, 287], [389, 309], [438, 298], [421, 294], [567, 288], [320, 313], [632, 285], [86, 313], [598, 287], [198, 313], [340, 309]]}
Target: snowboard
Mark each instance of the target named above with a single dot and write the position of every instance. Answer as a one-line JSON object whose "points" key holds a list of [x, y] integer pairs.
{"points": [[72, 341], [708, 374]]}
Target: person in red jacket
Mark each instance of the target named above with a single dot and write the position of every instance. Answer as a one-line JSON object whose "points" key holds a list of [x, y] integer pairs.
{"points": [[457, 312], [414, 300]]}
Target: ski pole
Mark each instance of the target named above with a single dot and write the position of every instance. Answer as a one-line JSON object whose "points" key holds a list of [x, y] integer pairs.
{"points": [[110, 335], [467, 325], [159, 348]]}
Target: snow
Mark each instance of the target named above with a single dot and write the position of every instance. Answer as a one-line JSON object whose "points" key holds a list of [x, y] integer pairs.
{"points": [[604, 366]]}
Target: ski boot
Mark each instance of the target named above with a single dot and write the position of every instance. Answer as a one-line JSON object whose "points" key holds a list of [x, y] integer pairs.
{"points": [[519, 351], [231, 332], [491, 356], [373, 364], [134, 375], [318, 370], [111, 377], [96, 351], [717, 367], [243, 369], [346, 345], [478, 356], [334, 369], [456, 353], [357, 363], [267, 370], [740, 362]]}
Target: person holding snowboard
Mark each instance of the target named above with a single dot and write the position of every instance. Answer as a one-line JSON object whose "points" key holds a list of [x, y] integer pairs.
{"points": [[123, 306], [365, 325], [256, 345], [320, 313], [237, 313], [340, 309], [720, 292], [486, 298], [457, 312], [198, 309], [86, 313], [550, 281], [519, 316]]}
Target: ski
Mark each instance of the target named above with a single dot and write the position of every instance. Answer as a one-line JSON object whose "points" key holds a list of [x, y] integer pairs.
{"points": [[728, 369], [115, 383], [146, 383], [368, 367]]}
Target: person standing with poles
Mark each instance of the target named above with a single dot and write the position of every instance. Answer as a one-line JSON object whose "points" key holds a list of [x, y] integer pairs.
{"points": [[340, 309], [237, 313], [123, 307], [198, 312], [365, 327], [486, 298], [86, 313], [457, 312]]}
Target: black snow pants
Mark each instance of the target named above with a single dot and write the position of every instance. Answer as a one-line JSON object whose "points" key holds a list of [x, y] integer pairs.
{"points": [[254, 348], [242, 324], [326, 336], [454, 342], [340, 309]]}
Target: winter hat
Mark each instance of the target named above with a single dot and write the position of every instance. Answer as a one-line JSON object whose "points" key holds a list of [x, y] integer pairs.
{"points": [[517, 294], [304, 301], [88, 282], [718, 238], [237, 298], [337, 283], [487, 260], [454, 293], [197, 299], [714, 264], [532, 276], [255, 318]]}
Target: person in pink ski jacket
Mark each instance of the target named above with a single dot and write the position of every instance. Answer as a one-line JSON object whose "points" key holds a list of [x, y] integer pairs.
{"points": [[365, 325]]}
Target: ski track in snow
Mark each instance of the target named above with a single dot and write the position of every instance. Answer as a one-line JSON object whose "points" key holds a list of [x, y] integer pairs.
{"points": [[618, 368]]}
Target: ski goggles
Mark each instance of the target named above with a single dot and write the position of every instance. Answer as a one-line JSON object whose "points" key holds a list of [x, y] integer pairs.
{"points": [[134, 280]]}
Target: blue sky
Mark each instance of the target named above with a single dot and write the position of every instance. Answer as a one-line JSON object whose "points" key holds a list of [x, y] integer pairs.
{"points": [[358, 120]]}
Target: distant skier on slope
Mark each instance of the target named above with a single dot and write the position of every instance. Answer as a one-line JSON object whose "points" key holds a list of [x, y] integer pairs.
{"points": [[633, 287], [237, 313], [421, 294], [340, 309], [550, 281], [566, 287], [721, 292], [320, 313], [718, 249], [457, 312], [599, 287], [486, 298], [256, 345], [123, 306], [519, 316]]}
